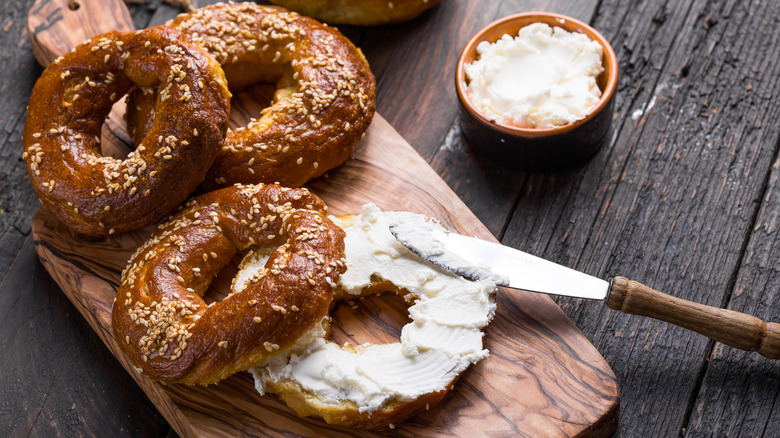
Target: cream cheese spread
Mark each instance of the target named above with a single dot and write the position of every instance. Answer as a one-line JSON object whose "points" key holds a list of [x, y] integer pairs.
{"points": [[542, 78], [443, 338]]}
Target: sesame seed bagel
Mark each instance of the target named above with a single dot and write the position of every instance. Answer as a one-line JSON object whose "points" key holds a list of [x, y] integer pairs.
{"points": [[378, 385], [97, 195], [359, 12], [160, 319], [324, 102]]}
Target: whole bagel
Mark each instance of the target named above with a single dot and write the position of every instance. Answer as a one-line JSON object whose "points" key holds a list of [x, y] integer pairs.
{"points": [[323, 105], [160, 319], [359, 12], [97, 195]]}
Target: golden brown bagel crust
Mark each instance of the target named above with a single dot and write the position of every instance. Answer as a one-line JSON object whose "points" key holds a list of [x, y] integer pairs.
{"points": [[348, 414], [97, 195], [359, 12], [166, 329], [324, 104]]}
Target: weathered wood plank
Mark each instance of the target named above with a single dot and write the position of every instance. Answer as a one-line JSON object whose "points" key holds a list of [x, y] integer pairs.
{"points": [[164, 12], [740, 392], [142, 12], [670, 200], [19, 71], [555, 213], [67, 383]]}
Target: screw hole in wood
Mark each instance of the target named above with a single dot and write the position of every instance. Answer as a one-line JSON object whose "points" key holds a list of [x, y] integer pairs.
{"points": [[73, 5]]}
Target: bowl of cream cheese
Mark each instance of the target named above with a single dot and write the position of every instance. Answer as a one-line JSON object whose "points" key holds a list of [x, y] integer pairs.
{"points": [[536, 91]]}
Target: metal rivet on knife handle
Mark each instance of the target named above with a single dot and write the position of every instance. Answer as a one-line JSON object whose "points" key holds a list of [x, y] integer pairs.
{"points": [[732, 328]]}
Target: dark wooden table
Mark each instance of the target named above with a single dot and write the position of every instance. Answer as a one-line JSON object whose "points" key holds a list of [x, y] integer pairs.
{"points": [[683, 196]]}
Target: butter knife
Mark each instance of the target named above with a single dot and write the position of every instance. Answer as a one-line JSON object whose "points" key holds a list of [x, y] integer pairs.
{"points": [[482, 260]]}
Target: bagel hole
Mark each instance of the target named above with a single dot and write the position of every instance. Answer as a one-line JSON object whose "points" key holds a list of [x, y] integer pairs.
{"points": [[247, 103], [376, 319], [115, 142], [220, 285], [254, 88]]}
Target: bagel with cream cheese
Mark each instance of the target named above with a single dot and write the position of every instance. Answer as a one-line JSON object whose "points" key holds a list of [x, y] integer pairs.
{"points": [[376, 386]]}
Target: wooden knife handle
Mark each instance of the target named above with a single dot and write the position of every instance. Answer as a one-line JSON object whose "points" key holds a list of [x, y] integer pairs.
{"points": [[732, 328]]}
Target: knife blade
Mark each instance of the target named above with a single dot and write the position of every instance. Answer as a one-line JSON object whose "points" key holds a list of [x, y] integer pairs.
{"points": [[482, 260]]}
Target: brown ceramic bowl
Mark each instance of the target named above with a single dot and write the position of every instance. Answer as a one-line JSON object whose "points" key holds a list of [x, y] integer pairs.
{"points": [[542, 149]]}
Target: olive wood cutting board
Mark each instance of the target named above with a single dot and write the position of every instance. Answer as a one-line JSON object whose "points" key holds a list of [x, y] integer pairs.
{"points": [[543, 377]]}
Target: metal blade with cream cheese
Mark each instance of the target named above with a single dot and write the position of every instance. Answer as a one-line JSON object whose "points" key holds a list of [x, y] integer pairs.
{"points": [[476, 258]]}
